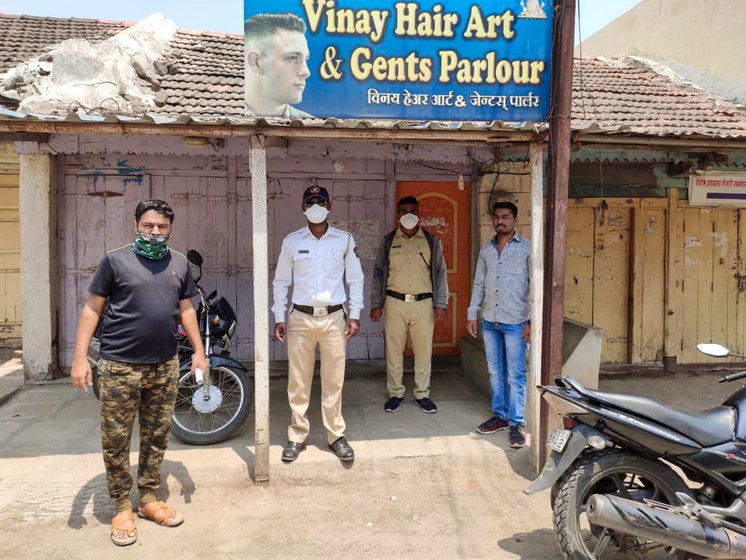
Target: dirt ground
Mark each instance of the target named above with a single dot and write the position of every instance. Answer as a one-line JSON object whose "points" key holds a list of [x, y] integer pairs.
{"points": [[422, 486]]}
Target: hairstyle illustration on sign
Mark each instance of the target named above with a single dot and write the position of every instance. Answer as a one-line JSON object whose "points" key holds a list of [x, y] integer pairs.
{"points": [[275, 65], [386, 59]]}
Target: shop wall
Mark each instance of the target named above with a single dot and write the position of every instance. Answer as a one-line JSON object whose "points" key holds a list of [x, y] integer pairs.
{"points": [[706, 288], [211, 196], [509, 182], [10, 248], [615, 273], [656, 274]]}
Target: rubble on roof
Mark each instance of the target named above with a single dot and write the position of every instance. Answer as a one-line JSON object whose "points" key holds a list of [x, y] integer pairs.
{"points": [[25, 37], [118, 75]]}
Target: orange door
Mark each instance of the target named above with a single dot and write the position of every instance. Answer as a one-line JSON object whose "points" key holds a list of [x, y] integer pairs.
{"points": [[445, 212]]}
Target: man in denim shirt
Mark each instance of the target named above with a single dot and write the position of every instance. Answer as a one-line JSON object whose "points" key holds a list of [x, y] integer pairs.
{"points": [[501, 283]]}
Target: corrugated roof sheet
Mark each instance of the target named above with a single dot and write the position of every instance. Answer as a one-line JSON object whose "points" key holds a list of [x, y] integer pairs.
{"points": [[204, 85]]}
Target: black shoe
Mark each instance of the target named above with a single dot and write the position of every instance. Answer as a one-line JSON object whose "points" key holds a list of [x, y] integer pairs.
{"points": [[292, 450], [517, 437], [342, 449], [393, 404], [427, 406], [492, 425]]}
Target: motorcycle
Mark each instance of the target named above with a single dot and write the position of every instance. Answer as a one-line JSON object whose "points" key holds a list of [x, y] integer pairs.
{"points": [[211, 410], [630, 477]]}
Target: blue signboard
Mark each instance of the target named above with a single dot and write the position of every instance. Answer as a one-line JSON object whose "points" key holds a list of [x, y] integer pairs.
{"points": [[451, 60]]}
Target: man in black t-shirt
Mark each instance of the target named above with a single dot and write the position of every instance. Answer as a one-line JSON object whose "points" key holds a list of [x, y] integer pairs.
{"points": [[148, 288]]}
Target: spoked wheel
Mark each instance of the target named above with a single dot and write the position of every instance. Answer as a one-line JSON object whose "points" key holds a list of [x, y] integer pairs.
{"points": [[210, 415], [622, 474]]}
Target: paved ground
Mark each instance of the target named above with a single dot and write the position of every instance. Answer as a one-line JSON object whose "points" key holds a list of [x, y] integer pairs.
{"points": [[11, 373], [422, 486]]}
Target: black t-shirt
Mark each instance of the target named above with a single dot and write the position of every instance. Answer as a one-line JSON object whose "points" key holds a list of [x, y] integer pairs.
{"points": [[141, 318]]}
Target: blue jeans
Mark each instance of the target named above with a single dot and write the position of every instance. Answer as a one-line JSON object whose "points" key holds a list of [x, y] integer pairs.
{"points": [[506, 361]]}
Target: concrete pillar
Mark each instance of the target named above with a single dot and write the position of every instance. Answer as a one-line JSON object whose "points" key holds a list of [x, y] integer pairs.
{"points": [[38, 217], [258, 167]]}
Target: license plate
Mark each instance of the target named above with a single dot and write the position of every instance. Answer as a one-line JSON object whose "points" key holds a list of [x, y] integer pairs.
{"points": [[558, 439]]}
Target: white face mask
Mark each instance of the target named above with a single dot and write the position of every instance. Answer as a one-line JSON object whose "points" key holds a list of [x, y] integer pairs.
{"points": [[316, 214], [409, 221]]}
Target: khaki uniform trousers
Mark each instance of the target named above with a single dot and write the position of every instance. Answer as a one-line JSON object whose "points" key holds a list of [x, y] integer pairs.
{"points": [[304, 333], [416, 319]]}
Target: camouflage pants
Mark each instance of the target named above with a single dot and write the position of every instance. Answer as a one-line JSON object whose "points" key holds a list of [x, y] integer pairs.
{"points": [[126, 389]]}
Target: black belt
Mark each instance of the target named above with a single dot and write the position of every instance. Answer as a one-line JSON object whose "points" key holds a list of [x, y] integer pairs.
{"points": [[409, 297], [319, 311]]}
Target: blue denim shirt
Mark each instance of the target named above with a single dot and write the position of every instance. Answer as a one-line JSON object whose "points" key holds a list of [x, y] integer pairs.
{"points": [[501, 283]]}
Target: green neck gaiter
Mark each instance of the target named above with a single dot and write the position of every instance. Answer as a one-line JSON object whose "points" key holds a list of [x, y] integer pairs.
{"points": [[151, 246]]}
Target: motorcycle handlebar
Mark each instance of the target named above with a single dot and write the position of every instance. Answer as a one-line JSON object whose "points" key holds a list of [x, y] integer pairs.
{"points": [[732, 377], [203, 294]]}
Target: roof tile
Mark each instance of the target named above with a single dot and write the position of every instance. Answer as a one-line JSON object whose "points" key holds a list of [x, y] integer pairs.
{"points": [[202, 76]]}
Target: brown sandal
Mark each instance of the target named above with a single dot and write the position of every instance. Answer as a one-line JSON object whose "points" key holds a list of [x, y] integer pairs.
{"points": [[160, 513], [123, 530]]}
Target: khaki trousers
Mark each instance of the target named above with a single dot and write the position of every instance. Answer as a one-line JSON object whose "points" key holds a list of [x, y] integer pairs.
{"points": [[304, 333], [416, 319]]}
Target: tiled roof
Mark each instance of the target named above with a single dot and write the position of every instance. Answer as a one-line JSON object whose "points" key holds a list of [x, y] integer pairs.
{"points": [[635, 95], [25, 37], [204, 84], [205, 76]]}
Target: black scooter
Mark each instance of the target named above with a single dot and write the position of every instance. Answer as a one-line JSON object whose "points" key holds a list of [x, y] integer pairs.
{"points": [[630, 477]]}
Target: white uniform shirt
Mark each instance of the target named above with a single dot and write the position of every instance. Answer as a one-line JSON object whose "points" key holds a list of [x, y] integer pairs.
{"points": [[317, 269]]}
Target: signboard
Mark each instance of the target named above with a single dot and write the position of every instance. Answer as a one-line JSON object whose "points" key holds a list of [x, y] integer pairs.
{"points": [[721, 189], [450, 60]]}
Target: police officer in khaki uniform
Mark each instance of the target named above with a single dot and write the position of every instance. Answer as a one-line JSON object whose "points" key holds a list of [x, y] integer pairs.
{"points": [[316, 260], [410, 291]]}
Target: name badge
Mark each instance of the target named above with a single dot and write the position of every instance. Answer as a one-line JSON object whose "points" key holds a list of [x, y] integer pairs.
{"points": [[303, 251]]}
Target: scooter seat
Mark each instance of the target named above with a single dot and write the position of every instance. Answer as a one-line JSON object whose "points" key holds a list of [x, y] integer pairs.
{"points": [[711, 427]]}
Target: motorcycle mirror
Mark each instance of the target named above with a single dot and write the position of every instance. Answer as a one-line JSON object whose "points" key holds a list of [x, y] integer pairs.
{"points": [[717, 350], [194, 257]]}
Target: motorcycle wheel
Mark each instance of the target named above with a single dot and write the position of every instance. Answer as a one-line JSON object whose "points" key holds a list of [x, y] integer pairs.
{"points": [[197, 421], [620, 473]]}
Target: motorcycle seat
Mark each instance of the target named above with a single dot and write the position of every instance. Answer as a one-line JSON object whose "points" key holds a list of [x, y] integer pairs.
{"points": [[708, 428]]}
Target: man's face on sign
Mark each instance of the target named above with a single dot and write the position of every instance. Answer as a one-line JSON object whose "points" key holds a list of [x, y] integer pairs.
{"points": [[282, 68]]}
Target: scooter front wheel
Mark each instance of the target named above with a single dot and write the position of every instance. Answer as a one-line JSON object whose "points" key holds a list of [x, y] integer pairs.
{"points": [[205, 415]]}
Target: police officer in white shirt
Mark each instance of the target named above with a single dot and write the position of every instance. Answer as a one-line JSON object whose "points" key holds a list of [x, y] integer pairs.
{"points": [[316, 260]]}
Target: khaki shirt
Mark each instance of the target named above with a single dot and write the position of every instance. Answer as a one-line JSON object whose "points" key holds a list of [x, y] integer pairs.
{"points": [[409, 264]]}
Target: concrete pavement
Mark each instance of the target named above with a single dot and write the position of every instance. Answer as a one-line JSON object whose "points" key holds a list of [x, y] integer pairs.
{"points": [[11, 373], [422, 486]]}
